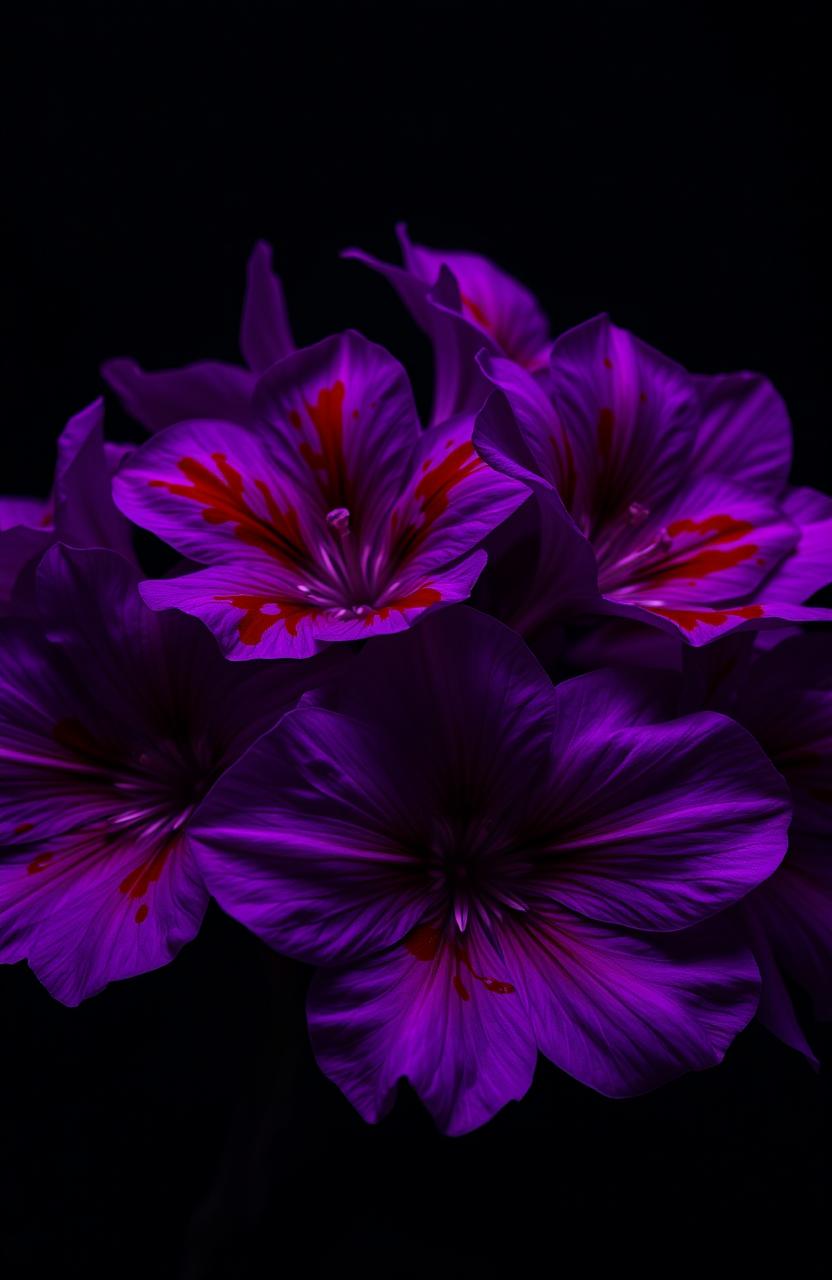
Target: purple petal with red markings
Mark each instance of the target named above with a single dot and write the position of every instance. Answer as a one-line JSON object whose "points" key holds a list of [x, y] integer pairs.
{"points": [[335, 518]]}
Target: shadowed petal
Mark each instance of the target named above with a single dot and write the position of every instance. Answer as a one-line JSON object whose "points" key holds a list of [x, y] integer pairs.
{"points": [[208, 389], [265, 335]]}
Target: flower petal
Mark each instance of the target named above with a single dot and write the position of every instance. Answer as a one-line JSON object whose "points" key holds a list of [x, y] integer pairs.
{"points": [[624, 1014], [85, 515], [717, 543], [658, 825], [453, 499], [85, 914], [744, 431], [459, 386], [265, 335], [501, 308], [809, 568], [443, 1021], [628, 409], [208, 389], [304, 840]]}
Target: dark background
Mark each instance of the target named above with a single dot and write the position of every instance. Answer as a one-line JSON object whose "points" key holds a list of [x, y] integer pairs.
{"points": [[659, 161]]}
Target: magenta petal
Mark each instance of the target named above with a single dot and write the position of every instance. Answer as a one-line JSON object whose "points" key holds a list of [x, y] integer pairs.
{"points": [[466, 1049], [659, 825], [624, 1014], [208, 389], [809, 568], [85, 515], [744, 431], [265, 335]]}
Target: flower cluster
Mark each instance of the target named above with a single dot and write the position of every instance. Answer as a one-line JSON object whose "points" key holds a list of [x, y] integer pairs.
{"points": [[586, 814]]}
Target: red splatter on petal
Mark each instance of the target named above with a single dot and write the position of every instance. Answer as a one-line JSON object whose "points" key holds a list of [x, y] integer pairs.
{"points": [[222, 498], [327, 417], [423, 941], [39, 863], [722, 528], [255, 622], [460, 988], [494, 985], [688, 619], [142, 913], [704, 563], [433, 493], [23, 827], [137, 882]]}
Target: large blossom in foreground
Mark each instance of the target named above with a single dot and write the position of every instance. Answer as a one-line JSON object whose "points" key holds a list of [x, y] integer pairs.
{"points": [[334, 518], [212, 388], [464, 303], [784, 697], [79, 511], [486, 865], [113, 723], [667, 490]]}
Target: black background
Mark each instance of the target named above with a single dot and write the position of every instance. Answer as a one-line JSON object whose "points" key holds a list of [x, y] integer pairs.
{"points": [[659, 161]]}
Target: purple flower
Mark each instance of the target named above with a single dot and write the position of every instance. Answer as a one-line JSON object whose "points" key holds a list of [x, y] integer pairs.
{"points": [[784, 697], [485, 865], [79, 511], [662, 495], [212, 388], [465, 303], [113, 723], [335, 517]]}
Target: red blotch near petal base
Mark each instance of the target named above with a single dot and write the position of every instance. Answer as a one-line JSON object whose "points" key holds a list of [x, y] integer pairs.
{"points": [[705, 562], [255, 622], [421, 598], [424, 941], [689, 619]]}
